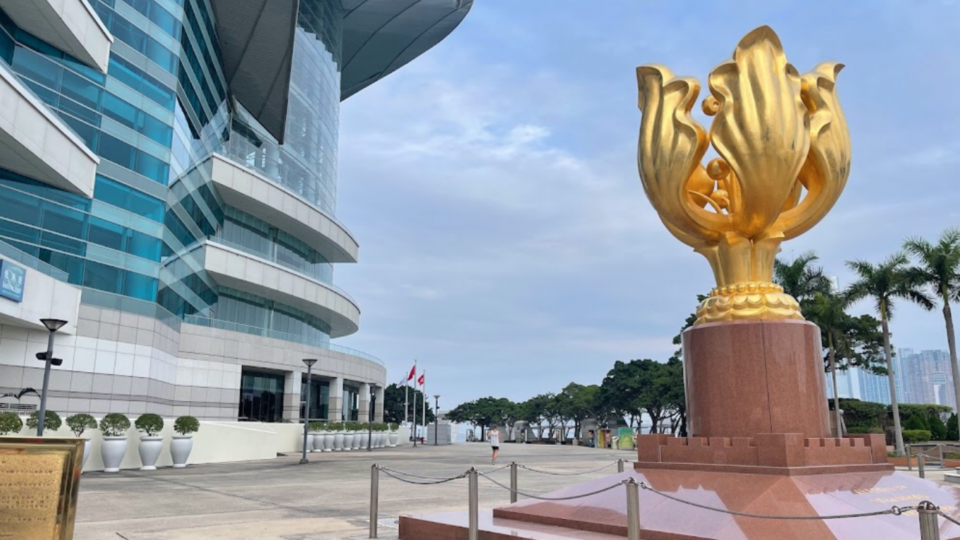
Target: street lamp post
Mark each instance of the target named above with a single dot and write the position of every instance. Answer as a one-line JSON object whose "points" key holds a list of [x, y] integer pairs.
{"points": [[370, 415], [306, 410], [52, 325], [436, 419]]}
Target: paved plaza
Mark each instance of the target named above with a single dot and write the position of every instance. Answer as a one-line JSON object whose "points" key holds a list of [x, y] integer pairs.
{"points": [[327, 499]]}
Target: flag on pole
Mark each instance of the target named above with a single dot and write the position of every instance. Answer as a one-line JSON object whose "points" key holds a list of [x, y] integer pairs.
{"points": [[421, 379], [413, 372]]}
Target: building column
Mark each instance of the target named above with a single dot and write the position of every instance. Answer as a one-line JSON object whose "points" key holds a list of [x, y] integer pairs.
{"points": [[335, 406], [378, 409], [292, 381], [364, 408]]}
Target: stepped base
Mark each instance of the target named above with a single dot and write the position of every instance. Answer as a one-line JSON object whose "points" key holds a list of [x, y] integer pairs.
{"points": [[603, 516]]}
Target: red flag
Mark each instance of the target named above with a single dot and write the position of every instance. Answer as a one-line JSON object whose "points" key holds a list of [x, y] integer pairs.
{"points": [[413, 373], [421, 379]]}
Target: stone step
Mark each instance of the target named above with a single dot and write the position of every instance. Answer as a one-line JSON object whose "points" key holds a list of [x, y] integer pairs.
{"points": [[953, 478]]}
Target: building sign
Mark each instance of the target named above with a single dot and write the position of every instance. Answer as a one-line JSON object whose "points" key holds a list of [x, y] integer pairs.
{"points": [[12, 278]]}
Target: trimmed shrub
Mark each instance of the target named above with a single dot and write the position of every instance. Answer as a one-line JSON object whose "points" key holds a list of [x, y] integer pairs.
{"points": [[864, 430], [316, 427], [937, 428], [79, 423], [953, 428], [149, 423], [915, 423], [51, 420], [114, 425], [914, 436], [185, 425], [10, 423]]}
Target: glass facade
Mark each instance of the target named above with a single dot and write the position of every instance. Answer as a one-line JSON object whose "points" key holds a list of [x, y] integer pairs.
{"points": [[154, 119], [319, 398], [261, 397], [351, 403]]}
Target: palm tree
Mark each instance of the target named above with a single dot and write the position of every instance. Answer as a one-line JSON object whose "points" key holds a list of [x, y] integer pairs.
{"points": [[884, 283], [799, 278], [940, 270], [829, 311]]}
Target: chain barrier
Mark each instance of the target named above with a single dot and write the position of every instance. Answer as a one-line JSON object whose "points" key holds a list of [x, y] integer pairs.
{"points": [[539, 498], [895, 510], [554, 473], [398, 475], [947, 517]]}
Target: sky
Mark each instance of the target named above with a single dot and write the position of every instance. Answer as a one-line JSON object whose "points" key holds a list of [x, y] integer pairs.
{"points": [[505, 239]]}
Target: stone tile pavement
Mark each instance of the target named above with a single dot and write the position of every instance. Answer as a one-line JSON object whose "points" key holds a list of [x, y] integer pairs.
{"points": [[324, 500]]}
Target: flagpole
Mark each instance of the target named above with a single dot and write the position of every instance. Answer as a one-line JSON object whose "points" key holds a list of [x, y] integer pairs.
{"points": [[424, 390]]}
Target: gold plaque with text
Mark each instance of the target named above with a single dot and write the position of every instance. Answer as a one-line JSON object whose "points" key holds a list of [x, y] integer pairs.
{"points": [[39, 484]]}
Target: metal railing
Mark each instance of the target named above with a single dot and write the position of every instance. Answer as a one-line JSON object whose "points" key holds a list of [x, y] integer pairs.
{"points": [[928, 512], [265, 332], [30, 261]]}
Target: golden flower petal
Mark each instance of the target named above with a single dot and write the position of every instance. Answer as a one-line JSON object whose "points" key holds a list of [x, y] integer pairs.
{"points": [[761, 127]]}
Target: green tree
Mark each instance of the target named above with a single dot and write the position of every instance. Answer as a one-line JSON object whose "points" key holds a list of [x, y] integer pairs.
{"points": [[939, 269], [578, 402], [393, 399], [800, 278], [953, 428], [916, 422], [829, 312], [884, 283], [937, 428]]}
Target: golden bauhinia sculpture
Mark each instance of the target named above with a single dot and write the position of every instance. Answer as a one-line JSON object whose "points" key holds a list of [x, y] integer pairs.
{"points": [[784, 160]]}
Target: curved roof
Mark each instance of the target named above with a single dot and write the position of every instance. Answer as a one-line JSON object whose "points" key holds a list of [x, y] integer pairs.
{"points": [[381, 36]]}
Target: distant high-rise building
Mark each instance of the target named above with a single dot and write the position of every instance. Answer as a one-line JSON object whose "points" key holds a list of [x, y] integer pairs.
{"points": [[921, 377]]}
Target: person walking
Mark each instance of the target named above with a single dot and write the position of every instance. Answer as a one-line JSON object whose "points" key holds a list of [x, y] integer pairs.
{"points": [[494, 436]]}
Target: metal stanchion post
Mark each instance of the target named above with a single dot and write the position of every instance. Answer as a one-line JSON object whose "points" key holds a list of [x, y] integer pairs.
{"points": [[920, 466], [633, 509], [619, 465], [909, 457], [940, 451], [474, 502], [929, 526], [374, 498], [513, 482]]}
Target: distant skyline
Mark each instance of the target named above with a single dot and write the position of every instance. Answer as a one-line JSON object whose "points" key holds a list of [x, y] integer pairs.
{"points": [[506, 242]]}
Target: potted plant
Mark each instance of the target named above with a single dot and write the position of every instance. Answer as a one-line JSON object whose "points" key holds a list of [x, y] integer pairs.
{"points": [[348, 435], [359, 441], [338, 436], [316, 428], [182, 444], [114, 427], [151, 442], [394, 435], [51, 422], [328, 437], [79, 423], [10, 423], [383, 435]]}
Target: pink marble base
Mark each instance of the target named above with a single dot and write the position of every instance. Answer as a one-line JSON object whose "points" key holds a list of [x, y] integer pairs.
{"points": [[598, 516]]}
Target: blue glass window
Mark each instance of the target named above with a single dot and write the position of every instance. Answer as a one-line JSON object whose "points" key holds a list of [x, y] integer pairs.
{"points": [[73, 266], [106, 234], [63, 220], [139, 286], [117, 151], [62, 243], [102, 277], [135, 78], [121, 196], [18, 231], [143, 245]]}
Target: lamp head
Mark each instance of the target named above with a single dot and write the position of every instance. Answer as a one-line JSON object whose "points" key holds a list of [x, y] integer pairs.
{"points": [[53, 324], [309, 361]]}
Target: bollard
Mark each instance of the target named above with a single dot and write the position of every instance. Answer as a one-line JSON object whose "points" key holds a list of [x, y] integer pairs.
{"points": [[474, 501], [374, 498], [513, 482], [619, 465], [909, 457], [633, 509], [929, 526], [920, 466], [940, 449]]}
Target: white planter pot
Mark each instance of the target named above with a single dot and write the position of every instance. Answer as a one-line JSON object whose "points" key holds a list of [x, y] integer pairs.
{"points": [[317, 442], [86, 453], [348, 441], [150, 448], [358, 440], [338, 441], [309, 442], [383, 439], [378, 440], [112, 450], [394, 436], [180, 448], [328, 441]]}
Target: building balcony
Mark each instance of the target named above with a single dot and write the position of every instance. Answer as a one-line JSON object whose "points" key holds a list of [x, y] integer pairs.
{"points": [[251, 192], [35, 142], [69, 25], [244, 271]]}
